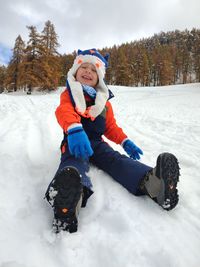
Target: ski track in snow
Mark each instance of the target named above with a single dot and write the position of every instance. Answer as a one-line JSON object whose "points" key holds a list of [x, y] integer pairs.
{"points": [[116, 228]]}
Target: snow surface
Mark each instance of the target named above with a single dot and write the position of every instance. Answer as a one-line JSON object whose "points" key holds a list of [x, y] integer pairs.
{"points": [[116, 228]]}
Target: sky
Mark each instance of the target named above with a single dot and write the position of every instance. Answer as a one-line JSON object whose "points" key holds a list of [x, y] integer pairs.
{"points": [[91, 23]]}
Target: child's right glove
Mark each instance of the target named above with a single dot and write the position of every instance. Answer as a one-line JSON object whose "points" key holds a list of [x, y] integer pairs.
{"points": [[79, 144], [132, 150]]}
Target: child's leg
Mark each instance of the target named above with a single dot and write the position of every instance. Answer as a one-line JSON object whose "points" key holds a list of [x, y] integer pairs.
{"points": [[65, 196], [82, 167], [69, 189], [160, 182], [123, 169]]}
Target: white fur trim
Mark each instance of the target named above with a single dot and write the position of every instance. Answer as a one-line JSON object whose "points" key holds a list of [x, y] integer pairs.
{"points": [[77, 93], [122, 143], [74, 125]]}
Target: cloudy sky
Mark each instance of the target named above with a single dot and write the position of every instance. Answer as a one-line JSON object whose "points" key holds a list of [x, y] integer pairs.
{"points": [[94, 23]]}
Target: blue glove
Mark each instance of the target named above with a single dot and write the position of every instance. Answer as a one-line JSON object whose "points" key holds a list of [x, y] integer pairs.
{"points": [[132, 150], [79, 144]]}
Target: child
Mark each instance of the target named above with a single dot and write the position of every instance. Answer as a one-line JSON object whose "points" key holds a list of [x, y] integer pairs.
{"points": [[85, 114]]}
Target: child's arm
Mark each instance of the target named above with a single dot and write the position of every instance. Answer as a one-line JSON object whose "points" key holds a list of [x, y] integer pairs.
{"points": [[70, 121], [66, 114], [113, 131]]}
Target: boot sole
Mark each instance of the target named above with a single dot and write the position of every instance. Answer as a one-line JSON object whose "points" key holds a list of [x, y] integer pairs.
{"points": [[68, 200], [167, 169]]}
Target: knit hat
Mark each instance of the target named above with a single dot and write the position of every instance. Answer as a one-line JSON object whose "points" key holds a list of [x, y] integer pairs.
{"points": [[91, 56], [101, 63]]}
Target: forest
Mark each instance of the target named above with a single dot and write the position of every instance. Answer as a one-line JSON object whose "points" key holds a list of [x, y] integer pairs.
{"points": [[164, 59]]}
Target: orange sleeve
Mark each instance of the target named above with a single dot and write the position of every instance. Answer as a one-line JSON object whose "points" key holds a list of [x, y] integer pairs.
{"points": [[113, 131], [65, 112]]}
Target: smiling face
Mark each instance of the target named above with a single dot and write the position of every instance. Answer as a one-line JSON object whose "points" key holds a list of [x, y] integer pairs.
{"points": [[87, 74]]}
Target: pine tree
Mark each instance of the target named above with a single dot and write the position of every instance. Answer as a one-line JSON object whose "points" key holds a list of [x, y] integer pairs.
{"points": [[185, 56], [66, 62], [49, 39], [111, 72], [2, 78], [14, 70], [32, 64], [137, 62], [122, 68], [196, 52], [144, 68], [50, 58]]}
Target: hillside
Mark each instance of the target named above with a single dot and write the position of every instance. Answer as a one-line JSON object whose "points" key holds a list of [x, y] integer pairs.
{"points": [[116, 228]]}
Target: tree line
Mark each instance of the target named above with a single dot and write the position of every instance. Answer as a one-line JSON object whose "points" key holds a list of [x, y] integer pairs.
{"points": [[163, 59]]}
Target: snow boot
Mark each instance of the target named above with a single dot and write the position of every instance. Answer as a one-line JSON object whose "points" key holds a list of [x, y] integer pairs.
{"points": [[160, 183], [65, 195]]}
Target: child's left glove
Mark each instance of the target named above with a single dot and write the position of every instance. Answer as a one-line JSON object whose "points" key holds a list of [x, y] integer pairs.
{"points": [[132, 150]]}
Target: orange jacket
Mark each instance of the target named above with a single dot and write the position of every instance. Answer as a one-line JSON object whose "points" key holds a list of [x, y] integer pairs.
{"points": [[67, 115]]}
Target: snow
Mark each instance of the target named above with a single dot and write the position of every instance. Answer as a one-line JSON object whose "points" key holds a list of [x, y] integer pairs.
{"points": [[116, 228]]}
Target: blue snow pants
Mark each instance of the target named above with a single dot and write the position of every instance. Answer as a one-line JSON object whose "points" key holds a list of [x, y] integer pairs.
{"points": [[124, 170]]}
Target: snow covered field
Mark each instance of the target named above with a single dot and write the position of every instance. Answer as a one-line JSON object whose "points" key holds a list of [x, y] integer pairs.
{"points": [[116, 228]]}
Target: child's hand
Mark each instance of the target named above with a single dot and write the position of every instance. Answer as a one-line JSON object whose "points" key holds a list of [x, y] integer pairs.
{"points": [[79, 144], [132, 150]]}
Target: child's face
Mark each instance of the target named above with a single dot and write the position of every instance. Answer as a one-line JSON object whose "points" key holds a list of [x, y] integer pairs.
{"points": [[87, 74]]}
